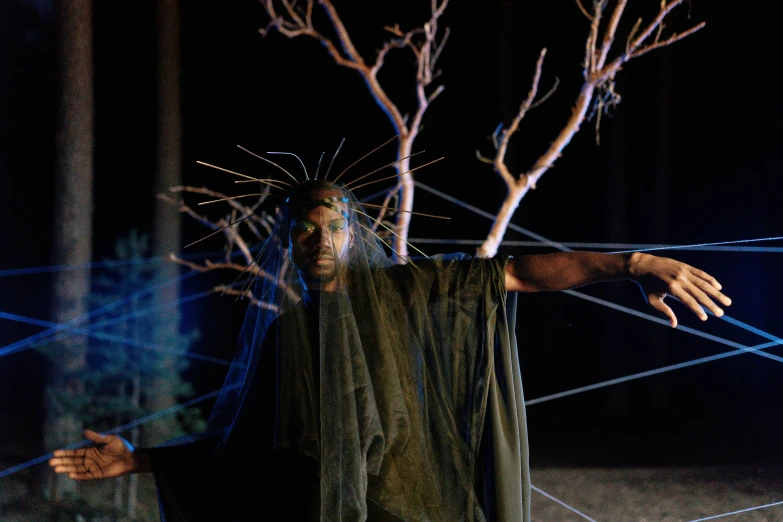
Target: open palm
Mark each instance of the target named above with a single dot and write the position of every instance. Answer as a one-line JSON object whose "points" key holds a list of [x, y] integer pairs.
{"points": [[114, 457]]}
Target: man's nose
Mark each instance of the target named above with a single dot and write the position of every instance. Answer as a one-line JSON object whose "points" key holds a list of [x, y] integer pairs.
{"points": [[322, 238], [327, 241]]}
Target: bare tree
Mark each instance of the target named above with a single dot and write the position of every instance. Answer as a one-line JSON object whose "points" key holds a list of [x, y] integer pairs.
{"points": [[238, 258], [73, 224], [293, 20], [596, 94]]}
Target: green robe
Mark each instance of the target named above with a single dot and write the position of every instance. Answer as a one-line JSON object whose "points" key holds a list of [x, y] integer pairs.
{"points": [[405, 390]]}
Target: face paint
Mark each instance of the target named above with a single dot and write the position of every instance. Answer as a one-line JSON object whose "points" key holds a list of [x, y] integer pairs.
{"points": [[319, 239]]}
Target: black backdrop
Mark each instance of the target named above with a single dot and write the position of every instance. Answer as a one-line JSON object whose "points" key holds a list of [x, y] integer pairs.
{"points": [[691, 155]]}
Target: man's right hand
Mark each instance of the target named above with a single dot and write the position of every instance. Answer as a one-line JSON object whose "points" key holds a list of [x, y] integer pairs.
{"points": [[112, 458]]}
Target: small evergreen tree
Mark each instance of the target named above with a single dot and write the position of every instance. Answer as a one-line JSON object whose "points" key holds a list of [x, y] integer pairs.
{"points": [[119, 383]]}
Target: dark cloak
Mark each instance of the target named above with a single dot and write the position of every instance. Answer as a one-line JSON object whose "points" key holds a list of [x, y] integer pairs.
{"points": [[402, 391]]}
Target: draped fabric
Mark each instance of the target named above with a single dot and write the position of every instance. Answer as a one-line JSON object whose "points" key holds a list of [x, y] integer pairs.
{"points": [[396, 396]]}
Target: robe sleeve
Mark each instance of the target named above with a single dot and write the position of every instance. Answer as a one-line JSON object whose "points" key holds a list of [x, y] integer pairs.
{"points": [[182, 457]]}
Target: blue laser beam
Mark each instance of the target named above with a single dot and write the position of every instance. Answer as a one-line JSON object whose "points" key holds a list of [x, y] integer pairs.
{"points": [[163, 413], [82, 266], [41, 337], [550, 497], [640, 247], [739, 511], [114, 431], [45, 336], [113, 338], [135, 295], [564, 248], [649, 373], [685, 329], [746, 326], [150, 309], [27, 342], [736, 242], [483, 213], [775, 341], [112, 263]]}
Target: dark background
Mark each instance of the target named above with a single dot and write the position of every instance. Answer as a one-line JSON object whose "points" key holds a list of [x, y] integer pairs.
{"points": [[691, 155]]}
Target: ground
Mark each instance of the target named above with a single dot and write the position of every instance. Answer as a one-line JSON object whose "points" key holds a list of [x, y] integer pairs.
{"points": [[630, 494], [658, 494]]}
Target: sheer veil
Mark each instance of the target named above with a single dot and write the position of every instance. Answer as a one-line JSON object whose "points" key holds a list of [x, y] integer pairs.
{"points": [[402, 382]]}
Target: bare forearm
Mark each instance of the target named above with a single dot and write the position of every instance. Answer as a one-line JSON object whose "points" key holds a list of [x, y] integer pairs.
{"points": [[657, 276], [563, 270]]}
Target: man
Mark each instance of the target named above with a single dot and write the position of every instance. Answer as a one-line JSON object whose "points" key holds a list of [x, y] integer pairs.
{"points": [[362, 389]]}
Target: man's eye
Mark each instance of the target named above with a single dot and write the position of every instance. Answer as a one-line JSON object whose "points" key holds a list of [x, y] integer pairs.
{"points": [[337, 227], [304, 227]]}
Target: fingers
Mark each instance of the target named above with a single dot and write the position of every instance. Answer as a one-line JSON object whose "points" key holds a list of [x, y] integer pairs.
{"points": [[685, 294], [710, 292], [70, 469], [694, 294], [64, 461], [693, 288], [75, 470], [97, 437], [67, 464], [81, 452], [711, 288], [707, 277], [656, 301]]}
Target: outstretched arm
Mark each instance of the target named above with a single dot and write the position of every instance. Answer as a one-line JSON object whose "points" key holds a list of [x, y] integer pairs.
{"points": [[657, 276], [113, 457]]}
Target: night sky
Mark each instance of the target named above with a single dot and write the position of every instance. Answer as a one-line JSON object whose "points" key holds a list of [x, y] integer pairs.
{"points": [[692, 154]]}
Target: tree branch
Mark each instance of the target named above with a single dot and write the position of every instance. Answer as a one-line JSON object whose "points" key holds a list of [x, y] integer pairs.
{"points": [[247, 294], [674, 38], [500, 158], [426, 48], [209, 266], [610, 32], [598, 75], [584, 11], [342, 33]]}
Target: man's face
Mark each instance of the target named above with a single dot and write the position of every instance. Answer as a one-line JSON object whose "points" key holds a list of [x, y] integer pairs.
{"points": [[319, 240]]}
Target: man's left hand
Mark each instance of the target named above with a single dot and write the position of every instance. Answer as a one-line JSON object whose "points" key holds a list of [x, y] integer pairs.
{"points": [[661, 276]]}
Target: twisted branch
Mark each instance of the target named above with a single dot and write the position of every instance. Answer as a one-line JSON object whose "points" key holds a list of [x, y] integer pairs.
{"points": [[230, 228], [426, 47], [599, 74]]}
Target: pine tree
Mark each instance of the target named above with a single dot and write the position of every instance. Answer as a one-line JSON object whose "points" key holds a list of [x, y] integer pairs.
{"points": [[119, 381]]}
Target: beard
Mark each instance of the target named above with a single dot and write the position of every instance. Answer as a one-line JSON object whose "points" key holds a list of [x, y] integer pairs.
{"points": [[321, 270]]}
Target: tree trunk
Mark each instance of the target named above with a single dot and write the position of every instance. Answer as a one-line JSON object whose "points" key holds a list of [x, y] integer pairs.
{"points": [[73, 225], [166, 231], [406, 200], [518, 190]]}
